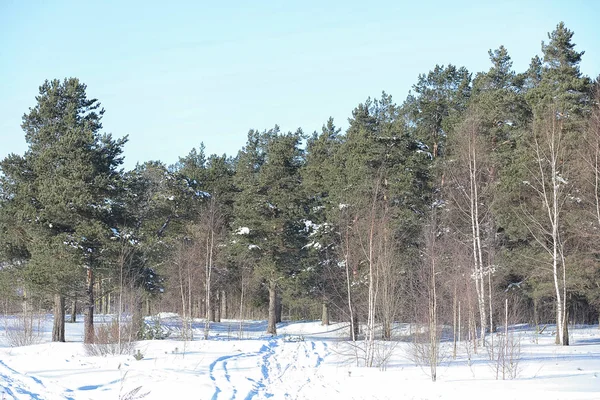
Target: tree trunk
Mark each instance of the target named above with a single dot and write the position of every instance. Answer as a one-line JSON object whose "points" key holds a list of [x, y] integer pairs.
{"points": [[137, 317], [506, 342], [224, 309], [432, 302], [272, 325], [210, 313], [559, 303], [24, 303], [73, 311], [108, 304], [278, 310], [559, 330], [103, 298], [242, 304], [213, 309], [354, 327], [566, 328], [387, 329], [476, 233], [459, 336], [88, 320], [454, 324], [536, 317], [325, 314], [100, 298], [217, 306], [58, 328]]}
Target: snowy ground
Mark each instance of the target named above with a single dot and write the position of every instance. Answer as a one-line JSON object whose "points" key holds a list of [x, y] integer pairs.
{"points": [[305, 361]]}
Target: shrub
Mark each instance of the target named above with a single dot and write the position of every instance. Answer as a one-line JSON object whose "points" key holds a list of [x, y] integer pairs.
{"points": [[154, 330], [505, 360], [138, 355], [113, 338], [24, 330]]}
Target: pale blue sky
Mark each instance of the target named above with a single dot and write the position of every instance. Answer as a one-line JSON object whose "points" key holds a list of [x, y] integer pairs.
{"points": [[174, 74]]}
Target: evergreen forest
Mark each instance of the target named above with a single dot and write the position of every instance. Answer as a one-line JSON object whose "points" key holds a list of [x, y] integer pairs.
{"points": [[475, 196]]}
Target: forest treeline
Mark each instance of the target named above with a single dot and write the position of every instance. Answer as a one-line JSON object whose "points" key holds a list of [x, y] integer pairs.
{"points": [[476, 188]]}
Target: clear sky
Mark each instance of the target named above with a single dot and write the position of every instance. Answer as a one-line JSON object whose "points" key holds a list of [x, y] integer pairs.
{"points": [[174, 74]]}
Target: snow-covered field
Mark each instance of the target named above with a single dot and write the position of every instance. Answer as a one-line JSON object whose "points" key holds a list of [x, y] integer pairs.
{"points": [[305, 361]]}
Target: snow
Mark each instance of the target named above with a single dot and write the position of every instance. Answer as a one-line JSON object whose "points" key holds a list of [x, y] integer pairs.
{"points": [[201, 193], [304, 361], [315, 245], [242, 230], [309, 225]]}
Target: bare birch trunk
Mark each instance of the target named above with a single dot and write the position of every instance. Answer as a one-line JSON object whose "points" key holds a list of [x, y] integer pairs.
{"points": [[565, 323], [477, 253], [506, 341], [370, 336], [433, 327], [353, 328], [454, 323], [491, 315], [459, 324], [208, 276], [184, 311]]}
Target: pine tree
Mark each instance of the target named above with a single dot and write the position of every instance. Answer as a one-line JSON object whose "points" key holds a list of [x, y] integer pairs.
{"points": [[65, 200], [438, 99], [270, 209], [561, 84], [319, 178]]}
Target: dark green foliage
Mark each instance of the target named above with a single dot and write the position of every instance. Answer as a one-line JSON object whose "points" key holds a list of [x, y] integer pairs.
{"points": [[560, 83], [270, 208], [64, 186], [438, 100], [154, 330], [380, 150]]}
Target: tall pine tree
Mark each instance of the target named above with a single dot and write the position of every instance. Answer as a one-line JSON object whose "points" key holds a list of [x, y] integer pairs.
{"points": [[65, 199]]}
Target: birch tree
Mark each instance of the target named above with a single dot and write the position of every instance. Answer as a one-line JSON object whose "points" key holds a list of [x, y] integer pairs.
{"points": [[559, 101], [468, 186], [550, 183]]}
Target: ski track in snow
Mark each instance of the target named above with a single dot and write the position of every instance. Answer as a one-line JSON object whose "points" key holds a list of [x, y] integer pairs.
{"points": [[305, 360], [221, 376], [298, 365], [16, 386], [315, 357], [260, 385]]}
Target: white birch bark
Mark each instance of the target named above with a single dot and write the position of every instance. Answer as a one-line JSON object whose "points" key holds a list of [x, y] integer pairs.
{"points": [[549, 189]]}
